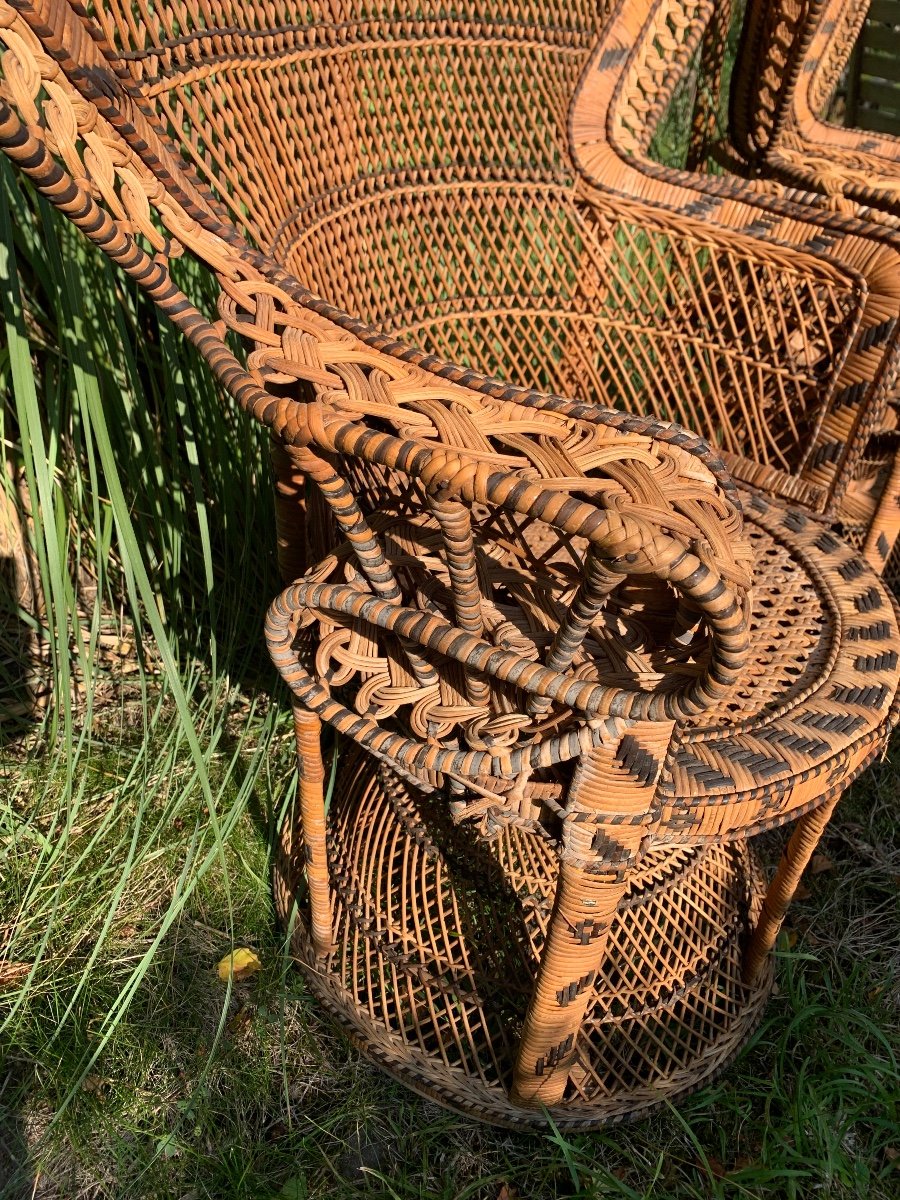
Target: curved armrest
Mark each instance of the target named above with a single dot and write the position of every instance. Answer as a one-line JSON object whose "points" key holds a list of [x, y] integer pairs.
{"points": [[448, 641], [780, 354], [616, 511], [648, 513], [294, 343], [412, 756]]}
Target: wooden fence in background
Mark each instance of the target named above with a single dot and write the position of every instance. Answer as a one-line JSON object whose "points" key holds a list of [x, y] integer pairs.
{"points": [[873, 76]]}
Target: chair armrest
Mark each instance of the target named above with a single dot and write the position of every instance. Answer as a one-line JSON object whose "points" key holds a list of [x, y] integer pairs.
{"points": [[654, 504], [624, 544]]}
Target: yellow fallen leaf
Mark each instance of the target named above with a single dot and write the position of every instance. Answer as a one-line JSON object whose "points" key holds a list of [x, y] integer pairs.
{"points": [[239, 964]]}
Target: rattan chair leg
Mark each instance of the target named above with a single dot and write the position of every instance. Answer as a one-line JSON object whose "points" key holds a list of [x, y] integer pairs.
{"points": [[290, 512], [576, 943], [799, 850], [610, 809], [885, 527], [311, 799]]}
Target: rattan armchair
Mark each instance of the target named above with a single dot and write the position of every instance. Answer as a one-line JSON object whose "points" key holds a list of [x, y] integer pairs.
{"points": [[573, 678], [645, 51], [777, 121]]}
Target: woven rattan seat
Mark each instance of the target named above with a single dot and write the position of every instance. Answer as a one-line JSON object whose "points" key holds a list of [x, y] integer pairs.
{"points": [[510, 371]]}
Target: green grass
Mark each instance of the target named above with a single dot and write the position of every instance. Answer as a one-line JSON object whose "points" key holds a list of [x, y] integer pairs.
{"points": [[146, 755], [157, 1082]]}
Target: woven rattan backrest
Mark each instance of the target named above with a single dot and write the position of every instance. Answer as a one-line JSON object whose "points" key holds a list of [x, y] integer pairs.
{"points": [[280, 106], [421, 173], [415, 171], [73, 119]]}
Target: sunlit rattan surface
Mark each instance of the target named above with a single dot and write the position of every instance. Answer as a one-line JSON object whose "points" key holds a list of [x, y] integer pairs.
{"points": [[325, 127], [425, 228], [817, 663], [778, 110]]}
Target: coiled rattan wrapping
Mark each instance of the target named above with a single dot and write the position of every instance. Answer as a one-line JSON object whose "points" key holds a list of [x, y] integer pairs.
{"points": [[531, 616], [778, 113]]}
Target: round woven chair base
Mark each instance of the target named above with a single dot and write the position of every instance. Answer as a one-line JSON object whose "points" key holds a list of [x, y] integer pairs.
{"points": [[437, 936]]}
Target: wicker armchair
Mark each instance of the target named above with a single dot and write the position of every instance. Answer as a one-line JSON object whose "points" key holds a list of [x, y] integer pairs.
{"points": [[530, 616], [646, 50], [777, 123]]}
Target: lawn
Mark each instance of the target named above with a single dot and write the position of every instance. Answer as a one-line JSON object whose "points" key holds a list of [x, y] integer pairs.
{"points": [[146, 756]]}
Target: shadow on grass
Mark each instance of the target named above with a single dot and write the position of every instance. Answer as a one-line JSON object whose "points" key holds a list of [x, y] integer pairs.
{"points": [[17, 1181], [19, 661], [252, 1096]]}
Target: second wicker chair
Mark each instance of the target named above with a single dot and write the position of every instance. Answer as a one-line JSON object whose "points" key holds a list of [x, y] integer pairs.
{"points": [[778, 124]]}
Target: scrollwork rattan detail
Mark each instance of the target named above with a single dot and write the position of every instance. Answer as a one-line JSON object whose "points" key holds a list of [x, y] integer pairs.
{"points": [[603, 775]]}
